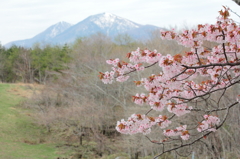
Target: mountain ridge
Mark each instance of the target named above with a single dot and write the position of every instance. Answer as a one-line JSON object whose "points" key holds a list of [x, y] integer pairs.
{"points": [[105, 23], [44, 37]]}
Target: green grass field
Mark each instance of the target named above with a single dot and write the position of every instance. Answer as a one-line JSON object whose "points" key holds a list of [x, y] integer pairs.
{"points": [[20, 138]]}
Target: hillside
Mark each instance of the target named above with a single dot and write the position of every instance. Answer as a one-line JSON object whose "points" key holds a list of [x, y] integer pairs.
{"points": [[19, 136]]}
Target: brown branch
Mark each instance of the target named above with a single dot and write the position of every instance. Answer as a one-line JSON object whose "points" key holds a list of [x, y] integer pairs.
{"points": [[208, 93], [136, 70], [214, 110], [224, 49], [212, 65], [181, 146], [200, 63], [200, 137], [148, 112]]}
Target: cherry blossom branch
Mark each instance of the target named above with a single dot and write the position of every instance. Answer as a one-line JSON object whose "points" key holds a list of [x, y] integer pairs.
{"points": [[134, 70], [212, 65], [214, 110], [195, 82], [198, 139], [208, 93]]}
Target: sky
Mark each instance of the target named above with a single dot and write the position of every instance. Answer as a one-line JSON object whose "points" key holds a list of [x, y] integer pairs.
{"points": [[23, 19]]}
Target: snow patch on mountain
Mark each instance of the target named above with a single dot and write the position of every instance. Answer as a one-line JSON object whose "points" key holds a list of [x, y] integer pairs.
{"points": [[57, 29], [108, 20]]}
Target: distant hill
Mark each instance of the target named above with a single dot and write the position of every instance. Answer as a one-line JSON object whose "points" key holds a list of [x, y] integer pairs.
{"points": [[105, 23]]}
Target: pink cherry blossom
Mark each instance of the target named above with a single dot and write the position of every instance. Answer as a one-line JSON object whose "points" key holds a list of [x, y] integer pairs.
{"points": [[184, 82]]}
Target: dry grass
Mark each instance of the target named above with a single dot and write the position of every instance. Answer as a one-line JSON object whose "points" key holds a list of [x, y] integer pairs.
{"points": [[25, 90]]}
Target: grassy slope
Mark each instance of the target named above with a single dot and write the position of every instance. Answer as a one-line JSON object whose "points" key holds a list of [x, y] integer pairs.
{"points": [[19, 137]]}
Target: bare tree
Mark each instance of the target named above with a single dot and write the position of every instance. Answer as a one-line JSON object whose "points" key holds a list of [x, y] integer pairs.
{"points": [[23, 66]]}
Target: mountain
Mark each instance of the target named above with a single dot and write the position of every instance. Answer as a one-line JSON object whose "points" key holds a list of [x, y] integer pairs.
{"points": [[105, 23], [44, 37]]}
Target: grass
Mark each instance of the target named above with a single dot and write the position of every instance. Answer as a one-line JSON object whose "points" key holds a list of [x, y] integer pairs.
{"points": [[20, 138]]}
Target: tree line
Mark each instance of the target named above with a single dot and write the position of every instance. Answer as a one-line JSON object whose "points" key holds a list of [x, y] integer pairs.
{"points": [[28, 65]]}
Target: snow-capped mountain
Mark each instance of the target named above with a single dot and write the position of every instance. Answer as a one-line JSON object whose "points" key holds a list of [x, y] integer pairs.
{"points": [[105, 23], [44, 37]]}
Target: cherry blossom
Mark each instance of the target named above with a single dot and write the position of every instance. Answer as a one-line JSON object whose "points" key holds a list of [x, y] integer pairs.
{"points": [[185, 82], [138, 123]]}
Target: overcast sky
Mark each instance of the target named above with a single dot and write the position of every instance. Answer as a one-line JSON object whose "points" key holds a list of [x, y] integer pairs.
{"points": [[23, 19]]}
